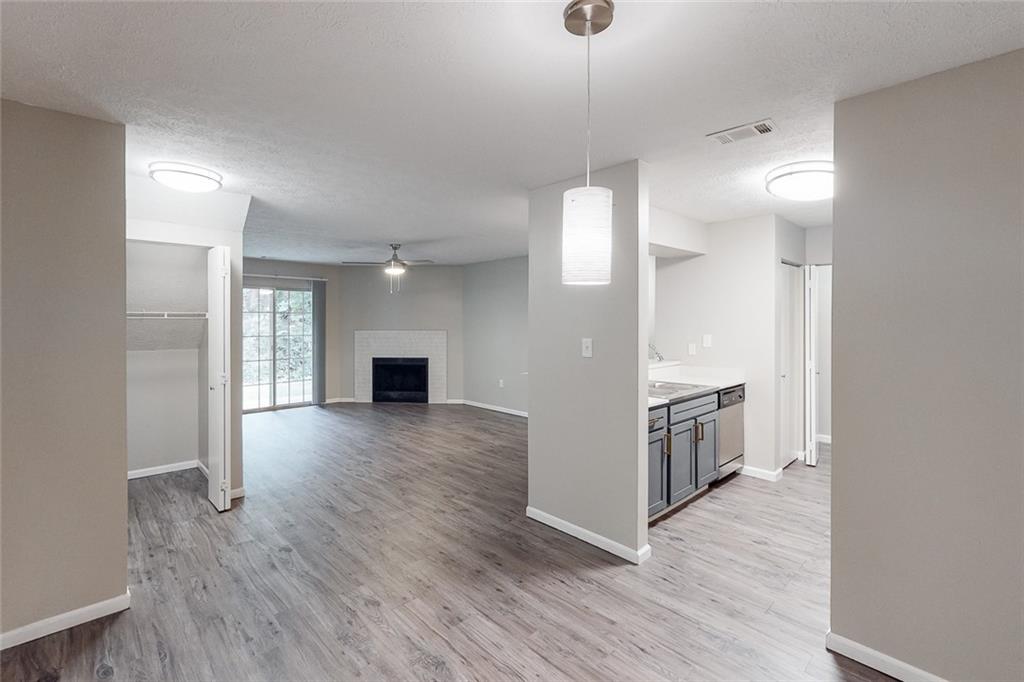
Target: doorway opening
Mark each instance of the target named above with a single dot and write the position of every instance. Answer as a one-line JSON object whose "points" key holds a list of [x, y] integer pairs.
{"points": [[818, 360], [805, 361], [178, 323]]}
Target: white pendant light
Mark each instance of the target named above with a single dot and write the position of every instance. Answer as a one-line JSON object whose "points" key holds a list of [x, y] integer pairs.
{"points": [[185, 177], [801, 181], [587, 211]]}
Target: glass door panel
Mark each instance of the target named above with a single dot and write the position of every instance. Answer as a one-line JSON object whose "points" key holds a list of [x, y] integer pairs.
{"points": [[294, 347], [277, 347]]}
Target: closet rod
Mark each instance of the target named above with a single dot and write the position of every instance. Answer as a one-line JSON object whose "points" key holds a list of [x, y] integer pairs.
{"points": [[152, 315], [307, 279]]}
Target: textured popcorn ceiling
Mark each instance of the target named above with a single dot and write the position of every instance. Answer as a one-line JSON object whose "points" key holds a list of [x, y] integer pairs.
{"points": [[353, 125], [165, 278]]}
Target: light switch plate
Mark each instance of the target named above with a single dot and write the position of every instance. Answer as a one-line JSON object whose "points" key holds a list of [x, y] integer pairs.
{"points": [[501, 383], [692, 349], [706, 342], [587, 348]]}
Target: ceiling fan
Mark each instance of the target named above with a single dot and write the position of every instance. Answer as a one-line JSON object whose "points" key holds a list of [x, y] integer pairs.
{"points": [[393, 267]]}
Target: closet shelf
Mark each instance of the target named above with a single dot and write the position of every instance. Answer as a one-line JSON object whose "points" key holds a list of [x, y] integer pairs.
{"points": [[152, 315]]}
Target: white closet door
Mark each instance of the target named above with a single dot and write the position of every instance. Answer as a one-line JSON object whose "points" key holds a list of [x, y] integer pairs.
{"points": [[219, 335]]}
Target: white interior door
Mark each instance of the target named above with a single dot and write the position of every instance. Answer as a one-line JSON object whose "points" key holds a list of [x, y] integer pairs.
{"points": [[791, 363], [810, 365], [821, 324], [218, 273]]}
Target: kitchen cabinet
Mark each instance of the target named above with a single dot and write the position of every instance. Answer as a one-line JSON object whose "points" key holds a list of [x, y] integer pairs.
{"points": [[682, 459], [657, 471], [682, 475], [706, 449]]}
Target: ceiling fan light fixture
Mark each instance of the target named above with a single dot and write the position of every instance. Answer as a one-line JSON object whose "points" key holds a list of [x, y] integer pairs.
{"points": [[394, 268], [185, 177], [802, 181]]}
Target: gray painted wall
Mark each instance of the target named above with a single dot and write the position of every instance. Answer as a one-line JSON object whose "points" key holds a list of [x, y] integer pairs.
{"points": [[586, 416], [730, 294], [203, 401], [64, 493], [818, 245], [928, 304], [163, 407], [358, 298], [495, 330], [165, 277]]}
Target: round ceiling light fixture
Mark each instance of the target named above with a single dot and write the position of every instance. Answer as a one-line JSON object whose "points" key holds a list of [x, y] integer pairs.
{"points": [[801, 181], [185, 177]]}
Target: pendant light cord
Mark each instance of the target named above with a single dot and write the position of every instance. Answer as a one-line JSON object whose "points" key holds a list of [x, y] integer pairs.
{"points": [[588, 103]]}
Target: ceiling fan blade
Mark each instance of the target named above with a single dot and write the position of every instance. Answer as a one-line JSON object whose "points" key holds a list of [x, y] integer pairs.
{"points": [[362, 262], [419, 261]]}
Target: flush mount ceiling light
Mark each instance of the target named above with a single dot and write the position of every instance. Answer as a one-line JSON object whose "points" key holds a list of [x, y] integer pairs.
{"points": [[587, 211], [801, 181], [185, 176]]}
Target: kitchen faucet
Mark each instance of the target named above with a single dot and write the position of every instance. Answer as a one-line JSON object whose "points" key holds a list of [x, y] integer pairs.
{"points": [[654, 349]]}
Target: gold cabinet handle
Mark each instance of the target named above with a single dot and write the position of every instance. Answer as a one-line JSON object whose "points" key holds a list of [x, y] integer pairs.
{"points": [[668, 444]]}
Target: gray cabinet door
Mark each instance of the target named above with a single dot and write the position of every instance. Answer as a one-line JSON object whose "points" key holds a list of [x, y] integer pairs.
{"points": [[707, 449], [657, 472], [682, 478]]}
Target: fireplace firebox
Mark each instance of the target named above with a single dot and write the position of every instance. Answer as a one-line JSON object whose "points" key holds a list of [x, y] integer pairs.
{"points": [[400, 380]]}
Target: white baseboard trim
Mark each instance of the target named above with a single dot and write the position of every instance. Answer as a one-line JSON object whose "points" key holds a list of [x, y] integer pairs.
{"points": [[238, 492], [63, 621], [763, 474], [163, 469], [877, 660], [495, 408], [202, 468], [455, 401], [331, 401], [610, 546], [824, 438]]}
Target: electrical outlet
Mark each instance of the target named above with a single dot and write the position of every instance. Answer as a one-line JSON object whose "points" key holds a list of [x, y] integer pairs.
{"points": [[587, 348], [501, 383], [692, 349]]}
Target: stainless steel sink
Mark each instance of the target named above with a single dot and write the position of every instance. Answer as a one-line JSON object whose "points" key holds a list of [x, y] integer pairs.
{"points": [[670, 390]]}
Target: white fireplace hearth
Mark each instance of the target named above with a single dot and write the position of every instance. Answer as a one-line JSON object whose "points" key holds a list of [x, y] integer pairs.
{"points": [[403, 343]]}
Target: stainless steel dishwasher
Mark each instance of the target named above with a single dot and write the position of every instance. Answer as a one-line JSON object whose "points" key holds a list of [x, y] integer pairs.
{"points": [[730, 424]]}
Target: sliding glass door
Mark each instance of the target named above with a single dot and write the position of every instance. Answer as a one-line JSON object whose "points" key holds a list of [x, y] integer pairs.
{"points": [[277, 347]]}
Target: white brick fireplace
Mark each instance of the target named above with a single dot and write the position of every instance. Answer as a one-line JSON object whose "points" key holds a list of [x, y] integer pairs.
{"points": [[402, 343]]}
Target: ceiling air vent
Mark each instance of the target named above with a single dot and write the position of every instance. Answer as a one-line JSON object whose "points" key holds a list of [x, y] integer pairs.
{"points": [[743, 132]]}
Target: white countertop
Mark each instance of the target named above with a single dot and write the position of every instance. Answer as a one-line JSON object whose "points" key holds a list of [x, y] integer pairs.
{"points": [[654, 402], [673, 370]]}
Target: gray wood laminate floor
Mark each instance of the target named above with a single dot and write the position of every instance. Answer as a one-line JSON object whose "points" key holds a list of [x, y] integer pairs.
{"points": [[390, 542]]}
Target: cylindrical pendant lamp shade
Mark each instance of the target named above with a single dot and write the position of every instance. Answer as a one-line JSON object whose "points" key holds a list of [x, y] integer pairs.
{"points": [[587, 236]]}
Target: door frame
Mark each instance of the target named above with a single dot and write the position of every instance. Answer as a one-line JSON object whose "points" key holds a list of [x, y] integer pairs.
{"points": [[788, 411], [161, 237]]}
